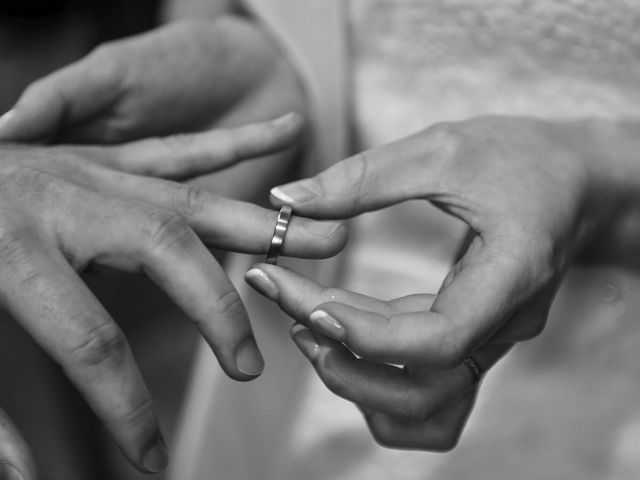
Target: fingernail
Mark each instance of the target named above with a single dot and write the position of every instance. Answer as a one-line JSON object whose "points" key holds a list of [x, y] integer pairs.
{"points": [[7, 472], [297, 192], [305, 341], [262, 283], [286, 118], [7, 118], [156, 458], [248, 358], [327, 325]]}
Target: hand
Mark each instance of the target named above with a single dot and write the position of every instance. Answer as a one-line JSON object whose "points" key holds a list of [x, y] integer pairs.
{"points": [[65, 208], [183, 77], [536, 195]]}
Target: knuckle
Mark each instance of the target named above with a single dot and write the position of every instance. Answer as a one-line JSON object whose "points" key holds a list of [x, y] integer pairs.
{"points": [[358, 171], [168, 231], [31, 183], [194, 200], [99, 346], [229, 303], [136, 414]]}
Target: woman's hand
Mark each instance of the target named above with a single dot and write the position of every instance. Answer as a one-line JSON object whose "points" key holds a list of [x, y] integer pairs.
{"points": [[65, 208], [184, 77], [536, 195]]}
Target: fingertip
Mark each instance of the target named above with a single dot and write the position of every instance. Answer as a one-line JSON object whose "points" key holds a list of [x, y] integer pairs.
{"points": [[291, 120], [305, 341], [249, 360], [280, 198], [327, 324], [155, 457], [262, 283], [7, 122]]}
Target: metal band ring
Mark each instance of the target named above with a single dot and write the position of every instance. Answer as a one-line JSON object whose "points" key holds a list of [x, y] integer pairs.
{"points": [[279, 233], [474, 368]]}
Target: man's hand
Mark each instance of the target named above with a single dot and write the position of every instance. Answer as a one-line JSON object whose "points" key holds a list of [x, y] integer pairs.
{"points": [[536, 195], [64, 208]]}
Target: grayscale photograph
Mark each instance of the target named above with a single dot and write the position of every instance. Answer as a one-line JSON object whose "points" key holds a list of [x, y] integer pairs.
{"points": [[319, 239]]}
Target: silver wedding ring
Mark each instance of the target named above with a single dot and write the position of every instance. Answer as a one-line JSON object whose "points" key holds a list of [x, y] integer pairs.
{"points": [[474, 368], [279, 233]]}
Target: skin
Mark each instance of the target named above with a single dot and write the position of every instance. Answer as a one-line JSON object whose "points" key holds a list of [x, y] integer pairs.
{"points": [[67, 208], [73, 204], [536, 195]]}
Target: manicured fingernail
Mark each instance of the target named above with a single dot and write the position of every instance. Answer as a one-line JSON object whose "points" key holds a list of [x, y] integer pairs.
{"points": [[297, 192], [248, 358], [262, 283], [327, 325], [7, 472], [156, 458], [6, 119], [305, 341]]}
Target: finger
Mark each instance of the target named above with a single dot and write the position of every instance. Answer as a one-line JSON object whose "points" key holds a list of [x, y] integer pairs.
{"points": [[220, 222], [188, 155], [48, 299], [64, 97], [298, 295], [440, 433], [133, 237], [16, 462], [410, 394], [476, 300], [368, 181]]}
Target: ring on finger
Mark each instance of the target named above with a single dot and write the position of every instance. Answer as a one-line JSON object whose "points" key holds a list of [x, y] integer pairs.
{"points": [[474, 368], [279, 234]]}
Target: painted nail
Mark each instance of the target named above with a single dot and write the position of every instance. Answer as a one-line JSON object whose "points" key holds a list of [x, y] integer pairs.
{"points": [[262, 283], [327, 325], [156, 458], [249, 359], [297, 192], [305, 341]]}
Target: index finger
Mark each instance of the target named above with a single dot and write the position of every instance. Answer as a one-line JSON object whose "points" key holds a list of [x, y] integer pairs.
{"points": [[477, 298], [219, 221], [368, 181]]}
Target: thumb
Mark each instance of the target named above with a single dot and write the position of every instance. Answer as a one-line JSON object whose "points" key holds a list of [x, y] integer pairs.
{"points": [[368, 181], [59, 100]]}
